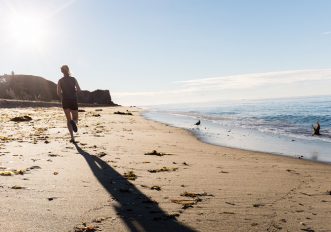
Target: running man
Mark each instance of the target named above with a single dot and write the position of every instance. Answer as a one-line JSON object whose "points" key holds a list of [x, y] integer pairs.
{"points": [[67, 89]]}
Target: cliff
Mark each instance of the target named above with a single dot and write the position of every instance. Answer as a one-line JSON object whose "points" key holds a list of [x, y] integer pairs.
{"points": [[34, 88]]}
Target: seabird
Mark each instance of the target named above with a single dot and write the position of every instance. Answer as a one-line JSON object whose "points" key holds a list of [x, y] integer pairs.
{"points": [[198, 123]]}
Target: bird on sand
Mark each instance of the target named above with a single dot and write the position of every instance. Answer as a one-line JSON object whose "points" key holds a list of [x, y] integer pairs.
{"points": [[198, 123]]}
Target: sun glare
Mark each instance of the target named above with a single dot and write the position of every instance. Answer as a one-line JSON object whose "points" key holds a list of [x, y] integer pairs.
{"points": [[27, 31]]}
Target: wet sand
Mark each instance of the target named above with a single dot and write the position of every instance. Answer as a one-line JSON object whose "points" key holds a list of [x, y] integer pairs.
{"points": [[109, 182]]}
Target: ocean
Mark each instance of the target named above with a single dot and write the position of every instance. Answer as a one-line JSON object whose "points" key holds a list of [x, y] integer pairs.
{"points": [[278, 126]]}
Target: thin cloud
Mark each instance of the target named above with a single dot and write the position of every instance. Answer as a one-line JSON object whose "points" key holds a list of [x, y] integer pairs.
{"points": [[254, 80], [326, 33], [258, 85]]}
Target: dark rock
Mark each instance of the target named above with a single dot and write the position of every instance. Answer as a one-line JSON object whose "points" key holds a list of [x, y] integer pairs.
{"points": [[34, 88], [27, 87], [98, 97]]}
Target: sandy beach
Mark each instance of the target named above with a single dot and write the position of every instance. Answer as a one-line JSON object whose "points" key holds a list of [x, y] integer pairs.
{"points": [[127, 173]]}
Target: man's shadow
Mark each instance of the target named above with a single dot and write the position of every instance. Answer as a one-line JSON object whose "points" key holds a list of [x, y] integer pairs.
{"points": [[138, 211]]}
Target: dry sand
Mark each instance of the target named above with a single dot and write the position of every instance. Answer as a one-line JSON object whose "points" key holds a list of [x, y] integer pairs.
{"points": [[193, 187]]}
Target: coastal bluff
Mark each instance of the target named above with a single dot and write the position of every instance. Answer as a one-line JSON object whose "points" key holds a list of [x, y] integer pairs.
{"points": [[29, 88]]}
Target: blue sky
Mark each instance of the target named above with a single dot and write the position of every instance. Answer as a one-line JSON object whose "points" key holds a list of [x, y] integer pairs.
{"points": [[145, 50]]}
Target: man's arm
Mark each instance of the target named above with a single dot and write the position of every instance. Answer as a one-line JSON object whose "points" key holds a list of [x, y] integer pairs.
{"points": [[59, 90], [77, 86]]}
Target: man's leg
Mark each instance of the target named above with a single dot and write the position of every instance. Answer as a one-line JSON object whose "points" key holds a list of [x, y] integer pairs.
{"points": [[68, 116], [75, 115]]}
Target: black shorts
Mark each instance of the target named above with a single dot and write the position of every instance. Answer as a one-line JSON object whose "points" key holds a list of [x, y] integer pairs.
{"points": [[70, 104]]}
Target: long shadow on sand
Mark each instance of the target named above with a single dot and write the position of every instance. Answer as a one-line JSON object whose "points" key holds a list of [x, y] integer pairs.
{"points": [[137, 210]]}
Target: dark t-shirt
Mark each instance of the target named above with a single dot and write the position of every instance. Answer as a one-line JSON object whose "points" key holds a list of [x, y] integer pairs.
{"points": [[68, 86]]}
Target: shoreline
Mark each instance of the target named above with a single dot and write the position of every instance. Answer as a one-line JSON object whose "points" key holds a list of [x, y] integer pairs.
{"points": [[109, 181], [316, 151], [200, 139]]}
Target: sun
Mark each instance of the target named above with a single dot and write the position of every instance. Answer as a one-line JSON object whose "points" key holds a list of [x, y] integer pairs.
{"points": [[27, 31]]}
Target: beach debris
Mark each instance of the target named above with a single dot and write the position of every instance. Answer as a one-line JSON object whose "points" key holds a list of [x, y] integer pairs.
{"points": [[81, 111], [101, 154], [98, 110], [195, 195], [99, 220], [328, 192], [55, 173], [5, 139], [123, 113], [12, 172], [163, 169], [186, 203], [6, 173], [96, 115], [229, 203], [33, 167], [20, 171], [257, 205], [85, 228], [198, 123], [130, 175], [154, 152], [316, 128], [24, 118], [283, 220], [17, 171], [17, 187], [52, 155], [292, 171], [186, 164], [227, 212], [155, 187]]}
